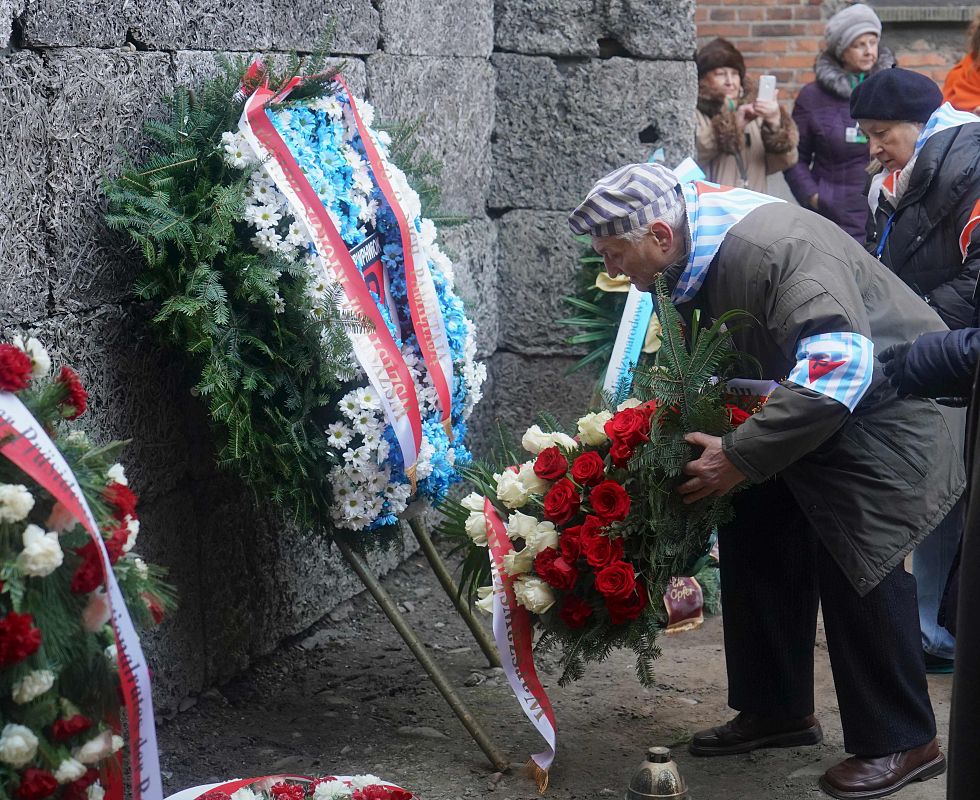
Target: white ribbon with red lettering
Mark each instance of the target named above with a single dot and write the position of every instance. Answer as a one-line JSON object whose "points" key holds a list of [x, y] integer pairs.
{"points": [[31, 449]]}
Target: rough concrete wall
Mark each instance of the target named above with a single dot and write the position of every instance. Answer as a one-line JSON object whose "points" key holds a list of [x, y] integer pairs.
{"points": [[78, 77]]}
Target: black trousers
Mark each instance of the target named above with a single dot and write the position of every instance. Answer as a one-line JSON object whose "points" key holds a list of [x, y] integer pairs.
{"points": [[774, 574]]}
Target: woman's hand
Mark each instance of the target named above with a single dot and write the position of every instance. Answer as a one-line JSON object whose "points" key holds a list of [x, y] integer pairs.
{"points": [[769, 111]]}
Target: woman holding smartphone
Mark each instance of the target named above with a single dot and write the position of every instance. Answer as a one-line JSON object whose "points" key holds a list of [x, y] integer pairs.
{"points": [[741, 137], [830, 176]]}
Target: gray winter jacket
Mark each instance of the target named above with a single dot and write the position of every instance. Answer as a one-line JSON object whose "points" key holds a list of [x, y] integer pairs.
{"points": [[874, 481]]}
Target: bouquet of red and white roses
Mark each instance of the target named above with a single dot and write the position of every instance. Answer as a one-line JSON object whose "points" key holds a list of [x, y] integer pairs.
{"points": [[59, 664], [292, 787]]}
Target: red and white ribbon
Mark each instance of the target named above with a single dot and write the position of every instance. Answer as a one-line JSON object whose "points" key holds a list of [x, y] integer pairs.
{"points": [[232, 786], [423, 301], [375, 349], [514, 636], [31, 449]]}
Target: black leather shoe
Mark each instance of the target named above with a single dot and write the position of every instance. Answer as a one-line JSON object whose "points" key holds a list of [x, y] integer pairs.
{"points": [[749, 732], [864, 778]]}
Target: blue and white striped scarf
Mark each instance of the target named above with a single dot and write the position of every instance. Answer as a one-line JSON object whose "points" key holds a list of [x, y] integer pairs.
{"points": [[711, 212], [943, 118]]}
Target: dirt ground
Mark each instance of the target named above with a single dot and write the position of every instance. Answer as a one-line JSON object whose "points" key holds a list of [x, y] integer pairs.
{"points": [[347, 697]]}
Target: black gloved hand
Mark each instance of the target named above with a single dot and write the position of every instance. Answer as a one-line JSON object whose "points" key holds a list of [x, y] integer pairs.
{"points": [[893, 364]]}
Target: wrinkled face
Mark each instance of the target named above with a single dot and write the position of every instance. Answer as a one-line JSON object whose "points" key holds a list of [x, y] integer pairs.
{"points": [[641, 261], [861, 54], [723, 81], [891, 142]]}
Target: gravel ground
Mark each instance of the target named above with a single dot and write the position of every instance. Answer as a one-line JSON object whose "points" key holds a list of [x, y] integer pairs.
{"points": [[347, 697]]}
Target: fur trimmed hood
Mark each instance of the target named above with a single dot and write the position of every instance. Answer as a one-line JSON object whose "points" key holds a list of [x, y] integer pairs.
{"points": [[833, 78]]}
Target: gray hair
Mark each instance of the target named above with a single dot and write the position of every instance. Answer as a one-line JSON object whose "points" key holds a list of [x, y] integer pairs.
{"points": [[675, 217]]}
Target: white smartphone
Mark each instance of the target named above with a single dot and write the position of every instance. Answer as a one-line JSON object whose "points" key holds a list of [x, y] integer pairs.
{"points": [[767, 87]]}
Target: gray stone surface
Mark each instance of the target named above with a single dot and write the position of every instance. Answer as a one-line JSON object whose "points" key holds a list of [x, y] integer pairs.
{"points": [[472, 247], [454, 106], [23, 171], [198, 24], [437, 27], [100, 99], [87, 23], [301, 24], [537, 266], [562, 125], [657, 29]]}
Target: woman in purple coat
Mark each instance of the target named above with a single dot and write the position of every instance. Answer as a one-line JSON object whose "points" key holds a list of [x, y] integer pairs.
{"points": [[830, 176]]}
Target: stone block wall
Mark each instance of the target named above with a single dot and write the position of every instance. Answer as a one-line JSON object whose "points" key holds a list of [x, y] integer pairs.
{"points": [[525, 103]]}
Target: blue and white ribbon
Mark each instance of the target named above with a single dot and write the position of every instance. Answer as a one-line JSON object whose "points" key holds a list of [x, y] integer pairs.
{"points": [[629, 343], [837, 365], [942, 119]]}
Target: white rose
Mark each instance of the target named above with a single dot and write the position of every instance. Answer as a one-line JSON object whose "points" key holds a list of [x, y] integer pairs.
{"points": [[517, 563], [94, 750], [32, 685], [15, 502], [117, 474], [531, 481], [485, 603], [18, 745], [510, 491], [69, 770], [520, 526], [95, 791], [534, 594], [591, 428], [535, 440], [473, 502], [476, 529], [630, 402], [544, 535], [40, 360], [563, 440], [42, 552]]}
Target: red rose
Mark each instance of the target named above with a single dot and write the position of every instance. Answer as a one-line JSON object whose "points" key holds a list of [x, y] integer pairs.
{"points": [[551, 464], [122, 499], [629, 426], [736, 415], [15, 368], [629, 608], [601, 550], [620, 453], [88, 576], [18, 638], [287, 791], [36, 784], [616, 580], [649, 408], [570, 543], [554, 569], [562, 502], [610, 501], [64, 729], [588, 469], [76, 790], [575, 612], [75, 400]]}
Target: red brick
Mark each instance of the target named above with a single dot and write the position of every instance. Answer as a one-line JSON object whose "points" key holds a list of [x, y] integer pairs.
{"points": [[774, 45], [726, 29], [916, 60], [779, 29], [807, 12], [779, 12], [751, 14], [722, 14]]}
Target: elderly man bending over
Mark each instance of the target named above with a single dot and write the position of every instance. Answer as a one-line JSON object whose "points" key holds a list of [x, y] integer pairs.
{"points": [[846, 477]]}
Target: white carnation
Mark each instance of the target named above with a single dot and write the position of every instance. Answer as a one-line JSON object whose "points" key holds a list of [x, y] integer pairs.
{"points": [[117, 474], [133, 526], [244, 794], [141, 569], [591, 428], [40, 360], [534, 594], [15, 502], [530, 479], [69, 770], [18, 745], [517, 563], [510, 491], [42, 553], [32, 685], [423, 467], [332, 790], [95, 749], [476, 528], [363, 781]]}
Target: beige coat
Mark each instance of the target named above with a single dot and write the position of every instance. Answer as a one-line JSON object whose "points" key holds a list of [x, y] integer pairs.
{"points": [[742, 158]]}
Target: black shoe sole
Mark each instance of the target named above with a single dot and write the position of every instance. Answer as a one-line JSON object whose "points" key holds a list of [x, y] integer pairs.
{"points": [[803, 738], [929, 770]]}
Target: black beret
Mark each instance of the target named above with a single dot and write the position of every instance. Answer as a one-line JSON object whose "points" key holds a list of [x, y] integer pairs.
{"points": [[896, 94]]}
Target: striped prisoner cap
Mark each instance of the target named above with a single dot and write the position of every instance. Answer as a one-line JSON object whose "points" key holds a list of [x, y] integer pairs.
{"points": [[631, 197]]}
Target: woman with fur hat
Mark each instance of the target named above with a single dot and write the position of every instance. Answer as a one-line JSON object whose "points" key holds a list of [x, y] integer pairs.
{"points": [[740, 139], [830, 176]]}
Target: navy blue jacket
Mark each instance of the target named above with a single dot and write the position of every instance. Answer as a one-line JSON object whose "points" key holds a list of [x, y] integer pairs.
{"points": [[942, 364]]}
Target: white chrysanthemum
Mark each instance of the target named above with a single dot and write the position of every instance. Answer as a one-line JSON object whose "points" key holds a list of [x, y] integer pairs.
{"points": [[117, 474], [510, 491], [40, 360], [42, 553], [384, 448], [339, 435], [362, 181], [359, 458], [428, 232], [369, 212], [353, 158], [331, 790], [349, 406], [442, 263], [518, 562], [329, 106], [363, 781], [237, 152], [485, 603], [377, 481], [295, 235], [423, 467], [267, 240], [18, 745], [372, 438], [366, 421], [15, 502], [95, 792], [591, 428], [263, 216], [530, 479], [476, 528], [263, 192], [69, 770], [278, 304], [368, 398], [32, 685], [534, 594], [354, 505]]}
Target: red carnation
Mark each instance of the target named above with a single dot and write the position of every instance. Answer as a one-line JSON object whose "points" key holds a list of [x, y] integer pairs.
{"points": [[736, 415], [378, 792], [562, 502], [77, 790], [551, 464], [554, 569], [15, 368], [588, 469], [122, 499], [36, 784], [215, 794], [75, 401], [155, 607], [610, 501], [620, 453], [616, 580], [18, 638], [629, 426], [65, 729], [601, 550], [88, 576], [116, 542], [628, 608], [287, 791], [575, 612]]}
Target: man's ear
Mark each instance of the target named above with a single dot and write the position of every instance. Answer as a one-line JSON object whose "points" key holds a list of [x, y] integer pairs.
{"points": [[662, 232]]}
